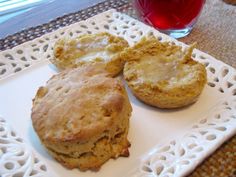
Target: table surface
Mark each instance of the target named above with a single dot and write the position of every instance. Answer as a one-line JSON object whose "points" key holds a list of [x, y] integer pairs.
{"points": [[215, 31], [215, 34]]}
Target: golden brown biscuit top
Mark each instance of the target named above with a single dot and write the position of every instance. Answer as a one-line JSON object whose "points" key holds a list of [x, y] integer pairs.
{"points": [[77, 104], [89, 48], [156, 63]]}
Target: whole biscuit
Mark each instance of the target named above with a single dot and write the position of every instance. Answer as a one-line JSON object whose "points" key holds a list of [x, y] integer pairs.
{"points": [[82, 117]]}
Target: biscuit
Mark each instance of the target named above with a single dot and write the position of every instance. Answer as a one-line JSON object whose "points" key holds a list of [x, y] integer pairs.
{"points": [[82, 117], [89, 49], [162, 74]]}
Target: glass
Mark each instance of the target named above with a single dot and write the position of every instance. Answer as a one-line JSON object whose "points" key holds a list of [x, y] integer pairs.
{"points": [[173, 17]]}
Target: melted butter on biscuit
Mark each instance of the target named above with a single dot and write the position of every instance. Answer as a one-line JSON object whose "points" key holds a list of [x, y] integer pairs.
{"points": [[155, 69], [93, 44], [94, 50], [93, 55]]}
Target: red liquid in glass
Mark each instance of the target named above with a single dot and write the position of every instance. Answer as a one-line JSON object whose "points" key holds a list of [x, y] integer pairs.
{"points": [[169, 14]]}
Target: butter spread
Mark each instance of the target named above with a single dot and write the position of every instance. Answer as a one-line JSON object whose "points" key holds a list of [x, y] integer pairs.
{"points": [[90, 56], [151, 69], [95, 49]]}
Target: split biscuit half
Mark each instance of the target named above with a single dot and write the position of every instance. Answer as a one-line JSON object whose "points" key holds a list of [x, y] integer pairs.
{"points": [[162, 74], [90, 49]]}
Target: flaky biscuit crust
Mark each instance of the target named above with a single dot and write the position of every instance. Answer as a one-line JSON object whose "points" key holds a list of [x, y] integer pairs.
{"points": [[82, 117], [89, 49], [162, 75]]}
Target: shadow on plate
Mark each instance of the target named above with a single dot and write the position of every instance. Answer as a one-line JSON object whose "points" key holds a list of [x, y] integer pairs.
{"points": [[37, 145]]}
